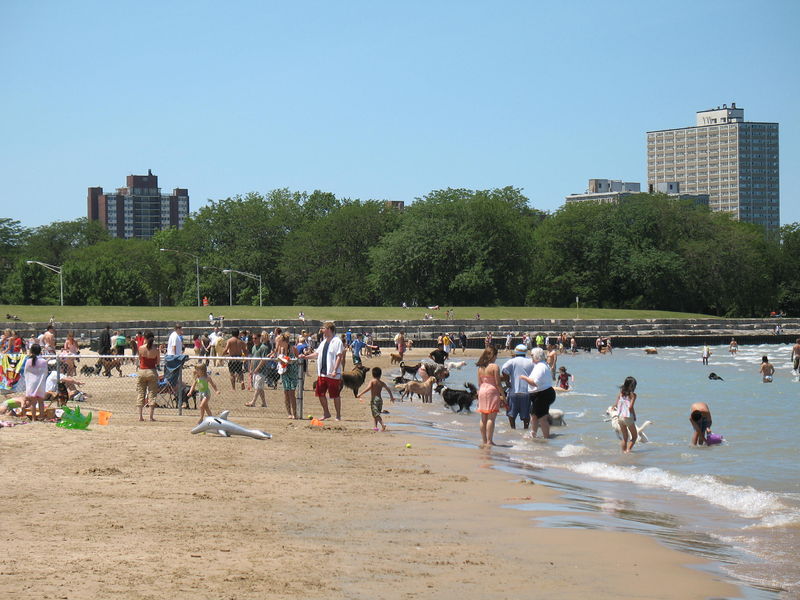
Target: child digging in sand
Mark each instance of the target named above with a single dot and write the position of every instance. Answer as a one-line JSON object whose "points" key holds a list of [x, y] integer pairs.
{"points": [[375, 387], [200, 385]]}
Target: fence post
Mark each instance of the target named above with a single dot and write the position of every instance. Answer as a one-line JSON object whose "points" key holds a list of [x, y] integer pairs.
{"points": [[302, 379]]}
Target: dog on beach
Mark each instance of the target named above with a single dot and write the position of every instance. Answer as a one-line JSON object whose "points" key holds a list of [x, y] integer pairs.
{"points": [[455, 364], [463, 399], [395, 358], [613, 417], [355, 378], [410, 369], [423, 389], [88, 371], [109, 364], [715, 377]]}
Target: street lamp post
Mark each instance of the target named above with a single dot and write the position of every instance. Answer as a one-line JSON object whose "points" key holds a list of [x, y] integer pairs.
{"points": [[196, 267], [251, 276], [55, 269]]}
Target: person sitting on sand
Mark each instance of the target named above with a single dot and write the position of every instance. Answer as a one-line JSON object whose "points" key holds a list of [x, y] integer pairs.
{"points": [[766, 370], [375, 387], [700, 418]]}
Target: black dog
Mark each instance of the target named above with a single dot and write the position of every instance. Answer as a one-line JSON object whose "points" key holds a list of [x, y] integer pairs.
{"points": [[88, 371], [461, 398], [715, 377], [410, 370]]}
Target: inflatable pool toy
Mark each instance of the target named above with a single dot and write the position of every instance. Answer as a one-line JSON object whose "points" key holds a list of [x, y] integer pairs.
{"points": [[73, 419], [222, 426], [714, 438]]}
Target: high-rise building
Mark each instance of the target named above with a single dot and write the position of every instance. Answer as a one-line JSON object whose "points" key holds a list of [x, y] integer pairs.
{"points": [[732, 160], [140, 209]]}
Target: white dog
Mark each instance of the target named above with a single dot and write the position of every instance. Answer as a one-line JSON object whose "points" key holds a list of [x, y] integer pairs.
{"points": [[456, 364], [611, 413]]}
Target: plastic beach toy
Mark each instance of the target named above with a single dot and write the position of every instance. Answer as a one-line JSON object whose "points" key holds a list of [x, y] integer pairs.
{"points": [[714, 438], [73, 419], [226, 428]]}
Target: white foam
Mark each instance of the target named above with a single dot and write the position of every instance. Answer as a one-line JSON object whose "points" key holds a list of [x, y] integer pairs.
{"points": [[572, 450], [781, 519], [742, 500]]}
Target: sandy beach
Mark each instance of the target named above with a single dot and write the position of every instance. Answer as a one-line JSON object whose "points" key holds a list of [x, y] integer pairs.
{"points": [[147, 510]]}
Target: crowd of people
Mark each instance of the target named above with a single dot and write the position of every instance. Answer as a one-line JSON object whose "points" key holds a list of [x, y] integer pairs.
{"points": [[525, 386]]}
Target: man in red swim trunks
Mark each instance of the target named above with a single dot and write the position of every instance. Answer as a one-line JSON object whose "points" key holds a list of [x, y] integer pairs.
{"points": [[329, 355]]}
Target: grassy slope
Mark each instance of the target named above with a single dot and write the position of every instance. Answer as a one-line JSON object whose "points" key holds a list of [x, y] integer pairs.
{"points": [[193, 313]]}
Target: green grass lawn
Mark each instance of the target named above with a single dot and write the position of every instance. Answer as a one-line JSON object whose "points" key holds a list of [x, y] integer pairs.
{"points": [[340, 313]]}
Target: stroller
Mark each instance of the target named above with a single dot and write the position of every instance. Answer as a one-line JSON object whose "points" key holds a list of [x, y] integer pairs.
{"points": [[170, 387]]}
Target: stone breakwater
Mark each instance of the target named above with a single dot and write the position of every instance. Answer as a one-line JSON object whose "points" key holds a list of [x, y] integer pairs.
{"points": [[631, 333]]}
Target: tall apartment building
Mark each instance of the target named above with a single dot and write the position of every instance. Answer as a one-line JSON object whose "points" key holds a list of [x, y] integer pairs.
{"points": [[734, 161], [140, 209]]}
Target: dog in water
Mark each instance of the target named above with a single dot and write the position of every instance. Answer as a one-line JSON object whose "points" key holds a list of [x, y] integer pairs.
{"points": [[715, 377], [455, 365], [463, 399], [410, 369], [423, 389], [613, 417]]}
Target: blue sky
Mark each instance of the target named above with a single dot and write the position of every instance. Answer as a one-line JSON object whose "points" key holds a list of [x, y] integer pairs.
{"points": [[373, 100]]}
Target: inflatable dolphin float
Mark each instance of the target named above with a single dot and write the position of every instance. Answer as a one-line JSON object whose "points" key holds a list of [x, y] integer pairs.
{"points": [[222, 426]]}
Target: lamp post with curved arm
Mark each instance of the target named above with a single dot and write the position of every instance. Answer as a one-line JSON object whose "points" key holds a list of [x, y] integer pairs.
{"points": [[55, 269], [196, 267], [251, 276]]}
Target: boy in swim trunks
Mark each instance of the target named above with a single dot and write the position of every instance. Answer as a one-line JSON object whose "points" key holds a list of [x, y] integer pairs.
{"points": [[375, 387]]}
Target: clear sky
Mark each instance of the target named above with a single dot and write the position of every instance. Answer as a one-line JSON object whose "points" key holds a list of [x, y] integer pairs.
{"points": [[373, 99]]}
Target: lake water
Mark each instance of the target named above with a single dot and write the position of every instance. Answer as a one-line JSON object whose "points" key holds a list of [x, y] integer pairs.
{"points": [[737, 503]]}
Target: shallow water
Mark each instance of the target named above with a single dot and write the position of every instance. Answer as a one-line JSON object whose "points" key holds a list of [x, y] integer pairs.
{"points": [[737, 503]]}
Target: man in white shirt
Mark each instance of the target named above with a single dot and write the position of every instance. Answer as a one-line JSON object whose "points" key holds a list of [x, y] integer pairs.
{"points": [[175, 341], [519, 403], [329, 355]]}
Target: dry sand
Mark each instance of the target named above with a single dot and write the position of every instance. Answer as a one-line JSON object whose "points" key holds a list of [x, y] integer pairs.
{"points": [[146, 510]]}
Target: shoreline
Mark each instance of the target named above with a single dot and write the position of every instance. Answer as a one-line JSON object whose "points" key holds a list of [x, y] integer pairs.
{"points": [[141, 511]]}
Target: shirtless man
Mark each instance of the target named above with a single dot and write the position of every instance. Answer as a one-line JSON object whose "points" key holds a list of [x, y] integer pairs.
{"points": [[700, 418], [552, 360], [796, 356], [766, 369], [734, 346], [236, 348], [49, 340]]}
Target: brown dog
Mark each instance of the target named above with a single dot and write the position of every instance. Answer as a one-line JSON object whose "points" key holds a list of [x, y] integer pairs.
{"points": [[396, 358], [423, 389], [355, 378]]}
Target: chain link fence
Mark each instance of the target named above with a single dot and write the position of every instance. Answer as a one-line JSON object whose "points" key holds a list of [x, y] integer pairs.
{"points": [[109, 382]]}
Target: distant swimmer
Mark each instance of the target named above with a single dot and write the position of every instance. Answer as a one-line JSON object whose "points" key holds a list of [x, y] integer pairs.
{"points": [[766, 370], [700, 418]]}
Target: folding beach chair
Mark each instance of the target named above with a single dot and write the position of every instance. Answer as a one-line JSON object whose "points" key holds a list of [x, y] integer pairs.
{"points": [[171, 391]]}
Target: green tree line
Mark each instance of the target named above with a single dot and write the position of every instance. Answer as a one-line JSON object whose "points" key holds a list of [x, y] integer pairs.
{"points": [[452, 247]]}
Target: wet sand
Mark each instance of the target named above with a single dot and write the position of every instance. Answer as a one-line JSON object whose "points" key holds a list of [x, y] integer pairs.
{"points": [[147, 510]]}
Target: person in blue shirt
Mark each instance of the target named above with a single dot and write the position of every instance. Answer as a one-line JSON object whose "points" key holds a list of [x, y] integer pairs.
{"points": [[356, 347], [348, 336]]}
